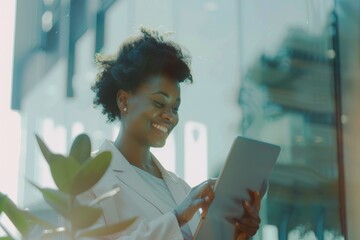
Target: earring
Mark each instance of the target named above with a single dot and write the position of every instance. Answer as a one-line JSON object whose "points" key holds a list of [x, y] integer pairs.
{"points": [[124, 109]]}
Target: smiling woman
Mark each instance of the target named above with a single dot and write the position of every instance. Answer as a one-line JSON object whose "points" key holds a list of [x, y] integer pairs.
{"points": [[151, 111], [140, 87]]}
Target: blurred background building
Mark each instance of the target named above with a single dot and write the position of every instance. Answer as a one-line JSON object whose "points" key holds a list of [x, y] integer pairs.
{"points": [[285, 72]]}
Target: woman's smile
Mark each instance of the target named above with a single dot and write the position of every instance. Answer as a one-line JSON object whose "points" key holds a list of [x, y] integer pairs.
{"points": [[161, 128]]}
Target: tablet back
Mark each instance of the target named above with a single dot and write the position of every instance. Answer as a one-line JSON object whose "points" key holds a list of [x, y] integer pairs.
{"points": [[248, 166]]}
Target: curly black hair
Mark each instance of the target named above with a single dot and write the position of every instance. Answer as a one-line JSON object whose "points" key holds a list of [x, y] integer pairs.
{"points": [[138, 58]]}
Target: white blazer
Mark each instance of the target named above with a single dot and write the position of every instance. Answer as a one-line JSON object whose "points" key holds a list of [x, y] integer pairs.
{"points": [[135, 199]]}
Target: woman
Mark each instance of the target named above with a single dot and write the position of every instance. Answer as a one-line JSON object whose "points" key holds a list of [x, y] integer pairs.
{"points": [[140, 87]]}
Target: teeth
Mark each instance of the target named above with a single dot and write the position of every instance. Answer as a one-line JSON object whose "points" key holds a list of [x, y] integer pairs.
{"points": [[161, 128]]}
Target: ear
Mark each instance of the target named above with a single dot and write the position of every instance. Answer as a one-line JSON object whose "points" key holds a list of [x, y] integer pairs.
{"points": [[122, 97]]}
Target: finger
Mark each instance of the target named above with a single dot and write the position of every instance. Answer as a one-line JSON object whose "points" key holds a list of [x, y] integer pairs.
{"points": [[203, 202], [255, 199], [209, 197], [198, 191], [203, 188], [205, 207], [209, 189], [208, 192], [249, 231], [251, 211], [198, 203], [212, 182], [250, 222], [246, 221]]}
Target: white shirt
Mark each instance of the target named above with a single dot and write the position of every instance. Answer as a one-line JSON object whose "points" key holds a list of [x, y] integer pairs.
{"points": [[161, 190], [154, 220]]}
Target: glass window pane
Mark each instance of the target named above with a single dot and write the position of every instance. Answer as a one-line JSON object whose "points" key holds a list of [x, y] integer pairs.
{"points": [[287, 98]]}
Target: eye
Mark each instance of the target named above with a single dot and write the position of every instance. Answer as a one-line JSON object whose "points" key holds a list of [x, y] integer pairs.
{"points": [[158, 104]]}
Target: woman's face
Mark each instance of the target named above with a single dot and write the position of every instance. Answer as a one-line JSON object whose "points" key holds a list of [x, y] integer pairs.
{"points": [[152, 111]]}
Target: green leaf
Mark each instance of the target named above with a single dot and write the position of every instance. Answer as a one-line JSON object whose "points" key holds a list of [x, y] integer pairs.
{"points": [[90, 173], [16, 216], [56, 199], [44, 149], [109, 229], [36, 220], [81, 148], [63, 171], [2, 201], [84, 216]]}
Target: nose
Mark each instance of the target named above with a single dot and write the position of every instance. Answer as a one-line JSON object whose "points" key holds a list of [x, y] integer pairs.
{"points": [[170, 116]]}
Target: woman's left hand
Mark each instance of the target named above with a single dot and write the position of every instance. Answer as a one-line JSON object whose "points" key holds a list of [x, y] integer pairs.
{"points": [[249, 223]]}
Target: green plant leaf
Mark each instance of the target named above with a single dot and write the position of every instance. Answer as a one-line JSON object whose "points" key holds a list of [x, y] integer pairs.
{"points": [[90, 173], [2, 201], [109, 229], [81, 148], [84, 216], [16, 216], [58, 200], [44, 149], [63, 171], [32, 219]]}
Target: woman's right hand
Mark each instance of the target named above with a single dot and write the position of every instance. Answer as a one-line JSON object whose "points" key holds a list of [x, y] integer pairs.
{"points": [[201, 196]]}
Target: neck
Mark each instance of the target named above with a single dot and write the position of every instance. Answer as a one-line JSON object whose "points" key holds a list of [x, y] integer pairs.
{"points": [[134, 152]]}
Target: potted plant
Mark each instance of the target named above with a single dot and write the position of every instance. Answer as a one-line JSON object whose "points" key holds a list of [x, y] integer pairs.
{"points": [[73, 175]]}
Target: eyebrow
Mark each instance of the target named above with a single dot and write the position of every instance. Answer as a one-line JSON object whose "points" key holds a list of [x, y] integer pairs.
{"points": [[165, 94]]}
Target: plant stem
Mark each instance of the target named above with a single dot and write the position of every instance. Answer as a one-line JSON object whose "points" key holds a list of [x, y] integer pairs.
{"points": [[71, 207]]}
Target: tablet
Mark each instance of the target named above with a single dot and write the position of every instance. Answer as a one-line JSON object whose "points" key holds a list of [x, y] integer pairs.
{"points": [[248, 166]]}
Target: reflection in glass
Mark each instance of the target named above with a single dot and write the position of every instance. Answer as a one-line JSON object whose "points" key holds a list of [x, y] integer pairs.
{"points": [[287, 98]]}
